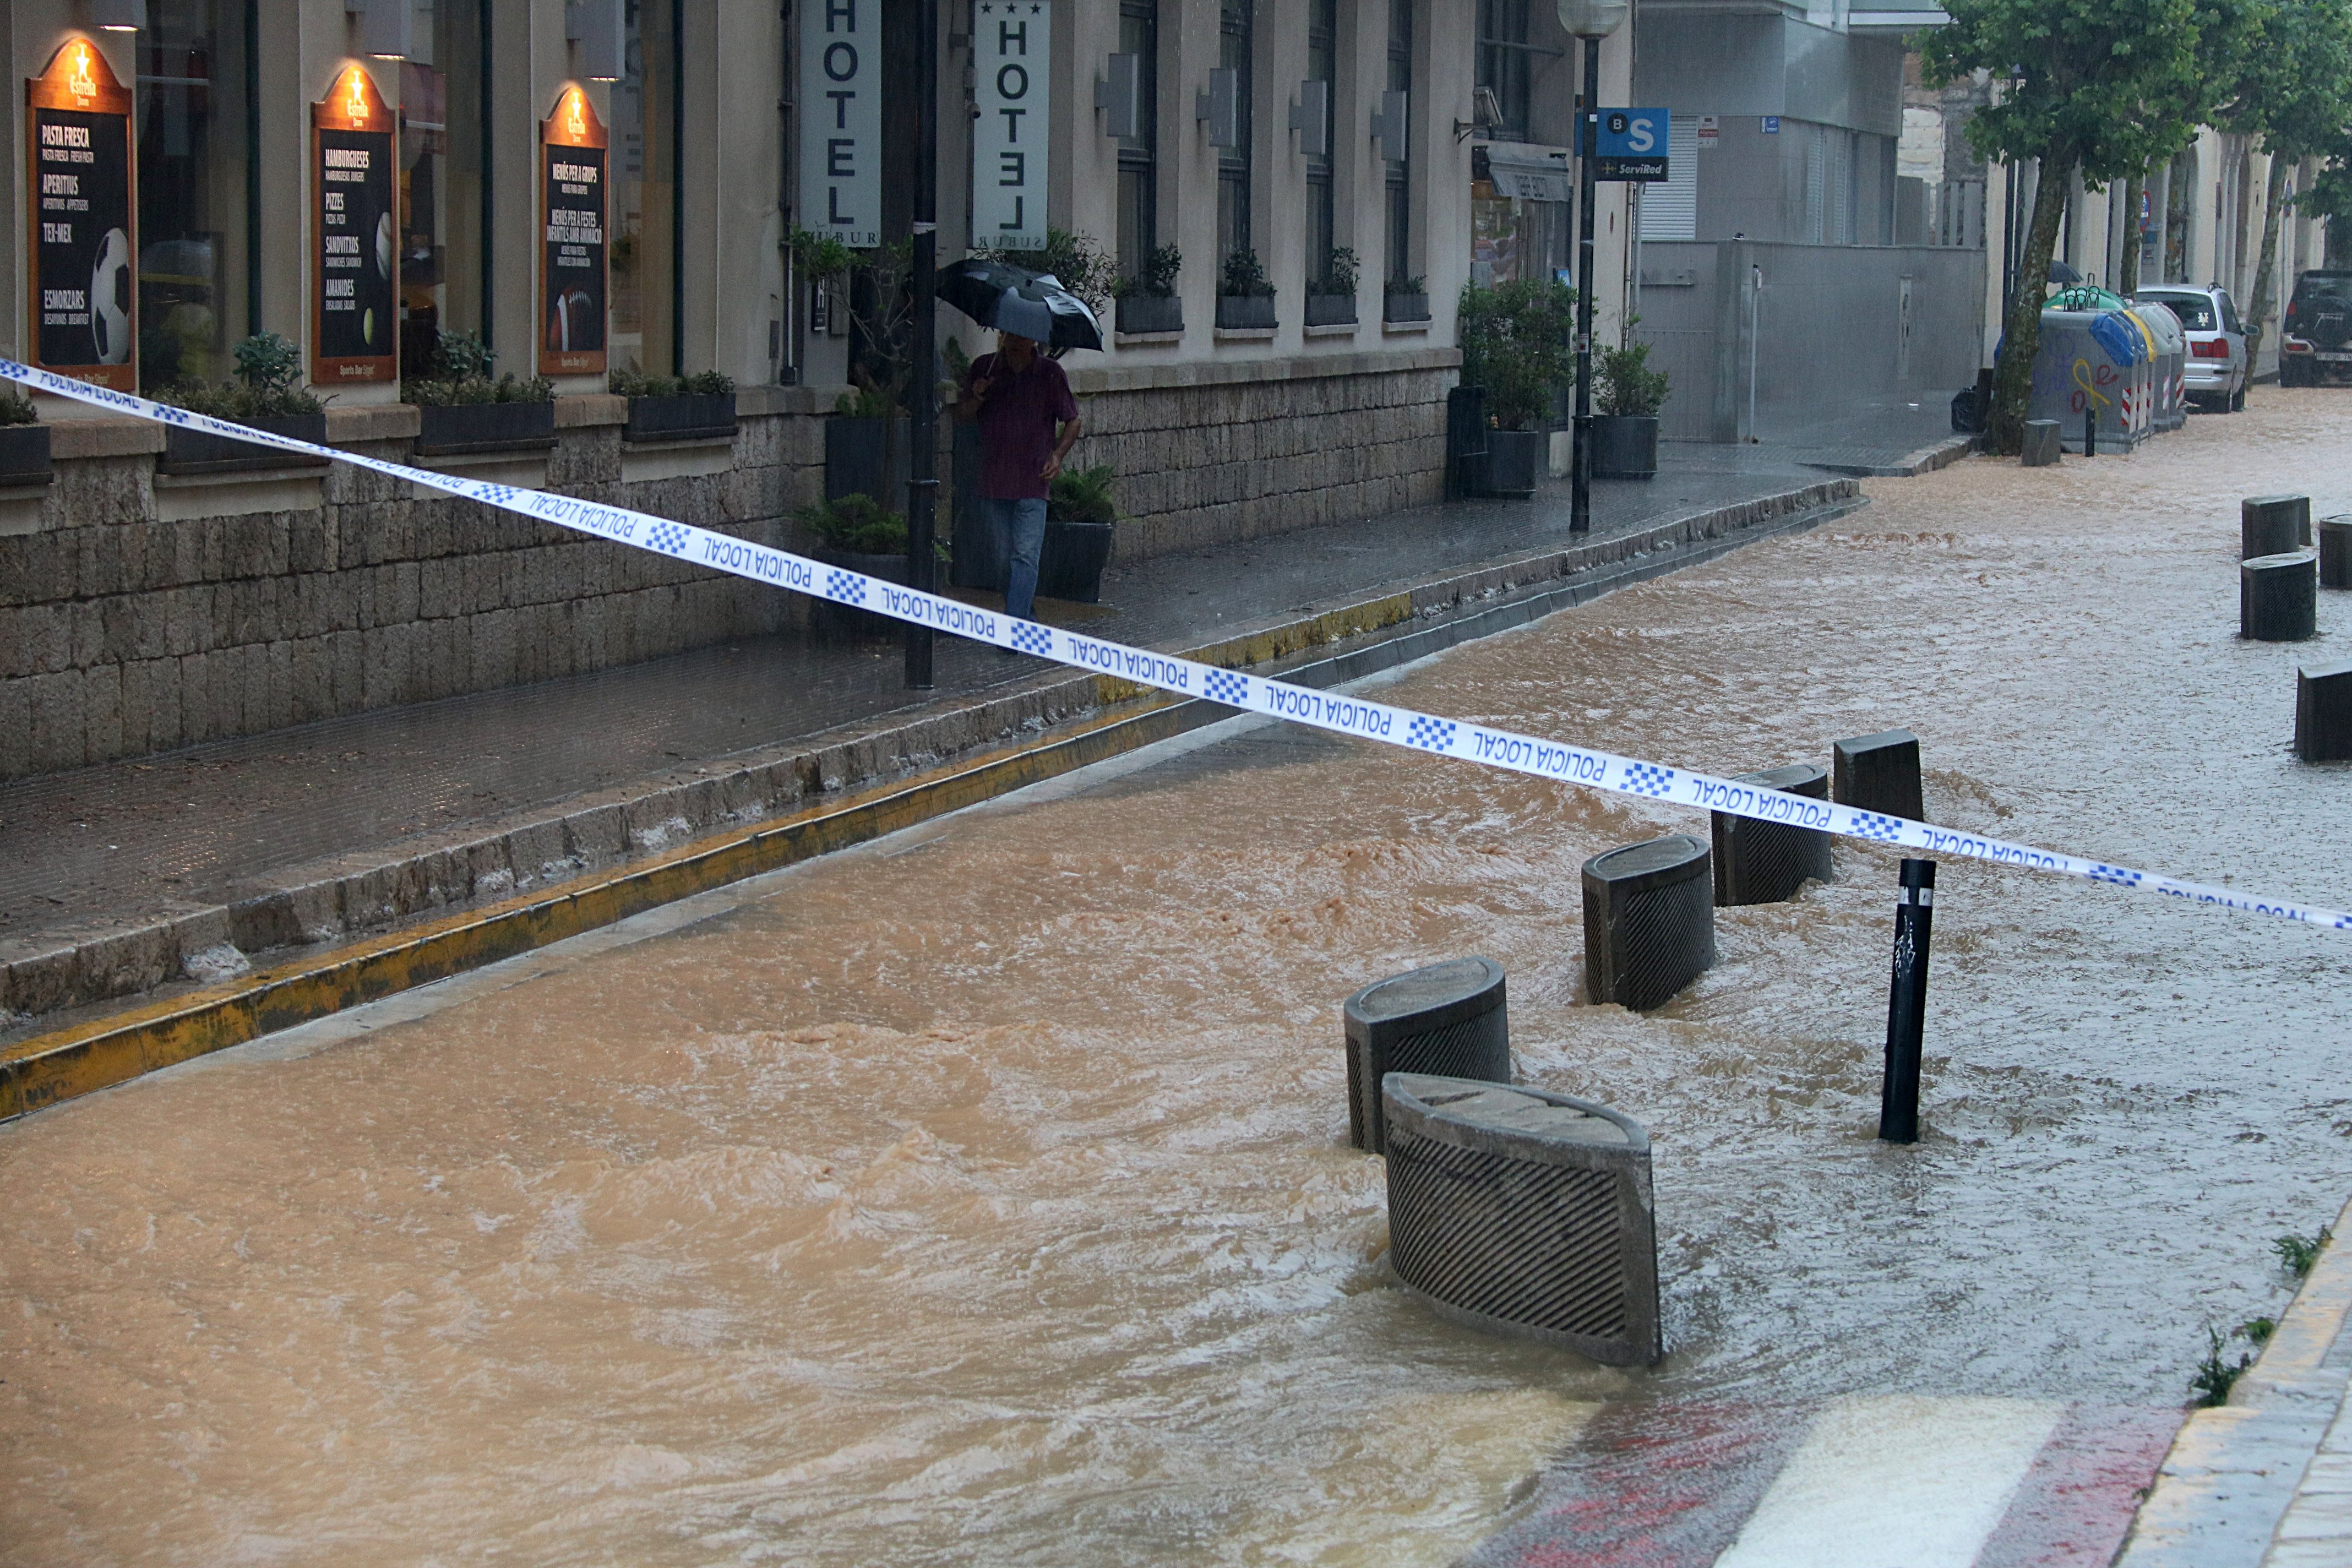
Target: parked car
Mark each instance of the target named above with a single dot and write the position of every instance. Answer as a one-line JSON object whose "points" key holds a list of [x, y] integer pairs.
{"points": [[2315, 340], [2217, 367]]}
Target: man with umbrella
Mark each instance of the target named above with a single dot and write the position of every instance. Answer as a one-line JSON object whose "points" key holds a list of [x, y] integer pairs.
{"points": [[1022, 402]]}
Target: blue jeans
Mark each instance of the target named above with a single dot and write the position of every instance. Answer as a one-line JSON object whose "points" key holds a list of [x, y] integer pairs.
{"points": [[1020, 528]]}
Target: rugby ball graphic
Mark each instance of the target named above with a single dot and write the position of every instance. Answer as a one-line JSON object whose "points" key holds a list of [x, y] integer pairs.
{"points": [[384, 245], [110, 299]]}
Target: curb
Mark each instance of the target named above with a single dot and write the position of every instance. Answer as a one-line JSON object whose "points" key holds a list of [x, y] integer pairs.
{"points": [[2229, 1480], [1936, 454], [87, 1056]]}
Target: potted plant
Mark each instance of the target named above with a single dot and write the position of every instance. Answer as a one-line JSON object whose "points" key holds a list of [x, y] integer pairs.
{"points": [[1331, 299], [857, 533], [1406, 300], [1080, 525], [1625, 431], [865, 445], [673, 408], [1244, 294], [264, 395], [460, 410], [1146, 302], [1514, 341], [23, 442]]}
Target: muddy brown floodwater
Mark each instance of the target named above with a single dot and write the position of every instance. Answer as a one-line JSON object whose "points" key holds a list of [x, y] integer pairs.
{"points": [[983, 1195]]}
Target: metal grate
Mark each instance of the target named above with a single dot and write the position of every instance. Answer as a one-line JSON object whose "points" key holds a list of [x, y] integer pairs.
{"points": [[1649, 920], [1765, 862], [1449, 1018]]}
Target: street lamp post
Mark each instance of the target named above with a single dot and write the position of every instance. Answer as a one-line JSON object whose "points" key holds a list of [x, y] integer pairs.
{"points": [[1590, 20], [923, 421]]}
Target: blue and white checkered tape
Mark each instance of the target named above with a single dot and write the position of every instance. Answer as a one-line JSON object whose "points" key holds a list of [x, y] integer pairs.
{"points": [[1304, 705]]}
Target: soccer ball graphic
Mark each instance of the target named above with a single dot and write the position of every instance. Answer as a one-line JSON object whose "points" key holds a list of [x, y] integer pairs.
{"points": [[110, 299]]}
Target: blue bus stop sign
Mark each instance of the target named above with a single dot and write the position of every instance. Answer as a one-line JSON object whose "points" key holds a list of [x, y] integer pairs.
{"points": [[1631, 145]]}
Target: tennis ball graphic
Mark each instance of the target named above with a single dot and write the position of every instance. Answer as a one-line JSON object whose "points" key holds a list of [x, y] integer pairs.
{"points": [[367, 325]]}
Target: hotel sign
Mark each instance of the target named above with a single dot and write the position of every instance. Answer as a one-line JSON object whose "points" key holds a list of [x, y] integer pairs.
{"points": [[1012, 59], [841, 120]]}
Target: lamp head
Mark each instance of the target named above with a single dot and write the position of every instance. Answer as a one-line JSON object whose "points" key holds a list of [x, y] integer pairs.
{"points": [[1593, 18]]}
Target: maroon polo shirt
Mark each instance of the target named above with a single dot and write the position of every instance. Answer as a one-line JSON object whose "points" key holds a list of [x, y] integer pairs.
{"points": [[1018, 424]]}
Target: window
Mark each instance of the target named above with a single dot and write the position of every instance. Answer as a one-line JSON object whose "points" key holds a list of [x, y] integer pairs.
{"points": [[442, 243], [196, 240], [1236, 40], [1139, 181], [1503, 62], [645, 192], [1322, 25], [1399, 174]]}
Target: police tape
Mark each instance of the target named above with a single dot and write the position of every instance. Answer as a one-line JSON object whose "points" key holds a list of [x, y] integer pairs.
{"points": [[1402, 727]]}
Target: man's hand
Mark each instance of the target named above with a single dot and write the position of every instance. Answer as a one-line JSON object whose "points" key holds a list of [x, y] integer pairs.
{"points": [[1053, 465]]}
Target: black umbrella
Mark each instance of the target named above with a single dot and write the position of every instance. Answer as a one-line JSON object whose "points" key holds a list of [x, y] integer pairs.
{"points": [[2062, 274], [1028, 304]]}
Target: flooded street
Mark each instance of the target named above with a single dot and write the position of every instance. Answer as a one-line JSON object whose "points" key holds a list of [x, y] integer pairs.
{"points": [[983, 1196]]}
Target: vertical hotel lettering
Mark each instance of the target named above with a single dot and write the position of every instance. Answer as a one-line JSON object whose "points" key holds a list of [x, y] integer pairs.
{"points": [[82, 244], [840, 119], [572, 270], [1012, 54], [355, 254]]}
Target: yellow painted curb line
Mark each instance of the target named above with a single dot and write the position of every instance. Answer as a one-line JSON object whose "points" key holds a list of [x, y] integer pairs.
{"points": [[51, 1068]]}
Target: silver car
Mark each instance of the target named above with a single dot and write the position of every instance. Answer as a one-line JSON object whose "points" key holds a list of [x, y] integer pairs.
{"points": [[2217, 372]]}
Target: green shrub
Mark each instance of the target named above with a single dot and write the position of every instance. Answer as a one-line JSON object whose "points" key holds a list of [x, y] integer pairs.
{"points": [[1340, 277], [268, 371], [1083, 495], [866, 403], [860, 524], [1155, 277], [1243, 275], [1514, 341], [1628, 385], [633, 383], [15, 408], [459, 376]]}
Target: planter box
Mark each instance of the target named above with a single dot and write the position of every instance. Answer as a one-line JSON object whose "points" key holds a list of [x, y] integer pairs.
{"points": [[1070, 565], [866, 457], [1141, 314], [189, 451], [976, 556], [1403, 307], [1331, 309], [25, 455], [835, 623], [1625, 445], [1514, 458], [685, 416], [1466, 442], [1245, 312], [456, 429]]}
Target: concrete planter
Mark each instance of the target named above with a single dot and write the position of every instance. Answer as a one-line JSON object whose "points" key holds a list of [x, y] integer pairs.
{"points": [[1070, 565], [866, 457], [1514, 458], [835, 623], [1143, 313], [684, 417], [458, 429], [187, 451], [1245, 312], [977, 555], [25, 455], [1625, 445], [1402, 306], [1331, 309]]}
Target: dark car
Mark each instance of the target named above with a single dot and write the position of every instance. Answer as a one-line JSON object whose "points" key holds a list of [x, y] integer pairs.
{"points": [[2315, 341]]}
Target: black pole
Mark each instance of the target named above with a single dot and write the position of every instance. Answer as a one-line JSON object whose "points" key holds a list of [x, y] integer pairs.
{"points": [[923, 408], [1907, 1005], [2091, 430], [1579, 513]]}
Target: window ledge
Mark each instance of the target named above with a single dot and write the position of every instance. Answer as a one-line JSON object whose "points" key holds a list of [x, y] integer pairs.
{"points": [[1404, 329], [1146, 340], [1333, 330], [1246, 334]]}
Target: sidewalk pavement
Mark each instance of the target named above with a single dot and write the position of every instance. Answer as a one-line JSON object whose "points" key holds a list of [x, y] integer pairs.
{"points": [[203, 845]]}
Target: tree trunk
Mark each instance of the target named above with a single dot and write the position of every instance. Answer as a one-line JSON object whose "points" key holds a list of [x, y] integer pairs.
{"points": [[2267, 273], [2128, 275], [2013, 382]]}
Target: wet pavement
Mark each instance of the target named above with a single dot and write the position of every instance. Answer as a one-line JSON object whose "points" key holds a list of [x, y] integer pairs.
{"points": [[981, 1195]]}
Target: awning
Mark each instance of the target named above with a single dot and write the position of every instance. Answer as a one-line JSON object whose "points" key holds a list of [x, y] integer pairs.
{"points": [[1530, 172]]}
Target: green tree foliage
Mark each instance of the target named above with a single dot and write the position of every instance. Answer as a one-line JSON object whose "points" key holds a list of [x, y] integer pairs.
{"points": [[2096, 88], [2294, 94], [1515, 344]]}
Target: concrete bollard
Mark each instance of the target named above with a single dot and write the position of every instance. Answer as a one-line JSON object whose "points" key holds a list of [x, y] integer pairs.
{"points": [[1879, 773], [1448, 1018], [2272, 525], [1759, 862], [2323, 711], [1649, 920], [2041, 444], [2278, 597], [1525, 1212], [2335, 552]]}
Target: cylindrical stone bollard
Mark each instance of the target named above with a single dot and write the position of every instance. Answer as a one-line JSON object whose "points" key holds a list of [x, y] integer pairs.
{"points": [[1524, 1213], [1649, 920], [2335, 552], [1759, 862], [2278, 597], [2272, 525], [1879, 773], [2323, 711], [1448, 1018], [2042, 445]]}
